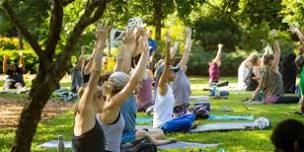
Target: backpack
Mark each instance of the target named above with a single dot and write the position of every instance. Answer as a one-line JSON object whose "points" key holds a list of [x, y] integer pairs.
{"points": [[141, 145]]}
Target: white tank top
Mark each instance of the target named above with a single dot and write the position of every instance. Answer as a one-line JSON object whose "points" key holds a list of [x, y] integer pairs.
{"points": [[163, 108]]}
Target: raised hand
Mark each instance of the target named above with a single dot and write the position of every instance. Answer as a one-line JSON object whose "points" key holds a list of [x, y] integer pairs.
{"points": [[293, 29], [274, 33], [102, 32], [143, 45], [6, 57], [141, 33], [220, 45], [188, 31], [83, 50]]}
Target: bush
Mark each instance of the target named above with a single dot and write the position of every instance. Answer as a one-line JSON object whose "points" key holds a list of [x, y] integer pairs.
{"points": [[198, 62], [31, 59], [8, 43]]}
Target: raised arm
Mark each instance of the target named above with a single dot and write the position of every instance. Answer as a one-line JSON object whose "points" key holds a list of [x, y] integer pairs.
{"points": [[173, 50], [5, 59], [277, 55], [183, 62], [22, 63], [163, 80], [81, 59], [219, 53], [119, 98], [298, 32], [95, 70], [123, 63]]}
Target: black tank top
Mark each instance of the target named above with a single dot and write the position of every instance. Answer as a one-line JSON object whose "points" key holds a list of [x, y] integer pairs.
{"points": [[91, 141]]}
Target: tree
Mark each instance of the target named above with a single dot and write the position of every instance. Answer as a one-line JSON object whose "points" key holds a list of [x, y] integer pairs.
{"points": [[293, 12], [52, 66]]}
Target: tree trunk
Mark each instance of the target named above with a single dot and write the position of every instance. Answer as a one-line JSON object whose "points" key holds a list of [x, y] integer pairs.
{"points": [[31, 115], [20, 41]]}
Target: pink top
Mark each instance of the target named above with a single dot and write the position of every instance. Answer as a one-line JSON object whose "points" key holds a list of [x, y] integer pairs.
{"points": [[145, 93], [214, 72]]}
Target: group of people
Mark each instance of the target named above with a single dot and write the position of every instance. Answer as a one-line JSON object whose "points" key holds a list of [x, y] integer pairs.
{"points": [[14, 73], [108, 102], [268, 78], [106, 112]]}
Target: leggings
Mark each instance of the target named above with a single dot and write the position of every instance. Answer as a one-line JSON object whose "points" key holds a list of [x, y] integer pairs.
{"points": [[182, 123], [288, 99]]}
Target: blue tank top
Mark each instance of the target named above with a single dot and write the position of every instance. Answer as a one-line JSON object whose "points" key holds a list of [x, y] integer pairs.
{"points": [[128, 111]]}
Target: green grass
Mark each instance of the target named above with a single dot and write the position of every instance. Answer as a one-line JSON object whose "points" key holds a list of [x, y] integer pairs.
{"points": [[235, 141]]}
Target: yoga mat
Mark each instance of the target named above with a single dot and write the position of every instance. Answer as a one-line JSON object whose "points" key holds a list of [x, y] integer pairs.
{"points": [[200, 98], [68, 144], [54, 144], [144, 120], [182, 144], [260, 123], [223, 126], [230, 117]]}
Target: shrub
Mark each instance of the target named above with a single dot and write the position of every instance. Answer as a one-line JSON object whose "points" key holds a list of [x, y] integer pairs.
{"points": [[8, 43]]}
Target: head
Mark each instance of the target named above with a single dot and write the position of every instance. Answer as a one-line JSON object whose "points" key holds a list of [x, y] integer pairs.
{"points": [[299, 61], [171, 75], [288, 136], [104, 61], [268, 59], [97, 97], [254, 59], [175, 62], [150, 33], [116, 82]]}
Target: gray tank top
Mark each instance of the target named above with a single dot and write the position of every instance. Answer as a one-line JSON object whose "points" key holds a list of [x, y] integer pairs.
{"points": [[113, 133]]}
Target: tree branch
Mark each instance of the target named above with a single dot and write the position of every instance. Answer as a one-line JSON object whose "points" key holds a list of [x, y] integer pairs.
{"points": [[215, 7], [55, 28], [67, 2], [74, 36], [24, 30]]}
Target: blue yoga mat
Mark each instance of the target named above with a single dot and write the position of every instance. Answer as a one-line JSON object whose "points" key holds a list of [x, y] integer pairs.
{"points": [[230, 117], [144, 120]]}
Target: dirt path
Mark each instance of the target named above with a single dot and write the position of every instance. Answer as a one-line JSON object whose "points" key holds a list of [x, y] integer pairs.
{"points": [[10, 110]]}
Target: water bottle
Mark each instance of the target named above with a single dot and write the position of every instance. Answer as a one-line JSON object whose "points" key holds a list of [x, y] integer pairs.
{"points": [[216, 90], [60, 144], [213, 89]]}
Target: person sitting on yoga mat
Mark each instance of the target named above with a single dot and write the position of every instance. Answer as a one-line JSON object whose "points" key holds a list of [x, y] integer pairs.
{"points": [[164, 100], [144, 98], [14, 73], [77, 72], [181, 84], [245, 73], [88, 134], [300, 64], [117, 90], [288, 136], [289, 73], [214, 68], [129, 109], [271, 80]]}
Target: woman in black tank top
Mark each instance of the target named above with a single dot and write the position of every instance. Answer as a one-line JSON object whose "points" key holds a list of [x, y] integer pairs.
{"points": [[88, 134]]}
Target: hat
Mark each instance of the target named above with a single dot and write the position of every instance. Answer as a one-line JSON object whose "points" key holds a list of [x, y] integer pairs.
{"points": [[119, 79], [174, 68]]}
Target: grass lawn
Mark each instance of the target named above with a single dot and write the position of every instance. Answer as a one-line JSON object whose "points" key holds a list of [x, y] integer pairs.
{"points": [[235, 141]]}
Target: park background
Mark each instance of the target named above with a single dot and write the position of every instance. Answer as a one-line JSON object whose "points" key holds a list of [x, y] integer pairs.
{"points": [[242, 26]]}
